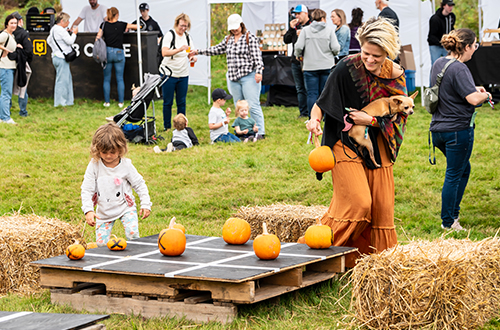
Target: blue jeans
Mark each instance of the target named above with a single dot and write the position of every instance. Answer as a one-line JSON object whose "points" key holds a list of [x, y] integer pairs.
{"points": [[298, 77], [116, 59], [315, 82], [6, 83], [23, 103], [436, 52], [457, 148], [63, 90], [180, 87], [228, 137], [247, 89]]}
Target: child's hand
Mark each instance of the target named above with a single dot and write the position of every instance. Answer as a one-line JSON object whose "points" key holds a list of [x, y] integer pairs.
{"points": [[144, 213], [255, 128], [90, 218], [245, 131], [228, 111]]}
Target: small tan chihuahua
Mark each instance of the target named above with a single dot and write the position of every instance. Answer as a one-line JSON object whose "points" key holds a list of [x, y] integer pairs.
{"points": [[385, 106]]}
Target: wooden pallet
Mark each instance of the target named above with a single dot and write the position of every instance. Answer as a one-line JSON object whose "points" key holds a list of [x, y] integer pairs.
{"points": [[206, 283]]}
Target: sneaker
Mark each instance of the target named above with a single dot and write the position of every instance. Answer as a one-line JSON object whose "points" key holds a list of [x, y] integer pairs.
{"points": [[10, 121], [246, 140], [260, 137], [157, 149], [120, 105], [457, 227], [110, 119], [106, 104], [170, 147]]}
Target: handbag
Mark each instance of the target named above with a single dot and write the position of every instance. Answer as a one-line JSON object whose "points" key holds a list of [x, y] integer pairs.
{"points": [[431, 94], [69, 57]]}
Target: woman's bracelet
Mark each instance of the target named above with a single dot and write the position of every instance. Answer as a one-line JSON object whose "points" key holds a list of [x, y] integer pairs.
{"points": [[373, 122]]}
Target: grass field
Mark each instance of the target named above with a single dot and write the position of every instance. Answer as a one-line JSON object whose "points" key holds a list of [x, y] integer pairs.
{"points": [[45, 156]]}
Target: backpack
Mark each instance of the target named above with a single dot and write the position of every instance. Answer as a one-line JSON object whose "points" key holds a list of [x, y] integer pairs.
{"points": [[159, 56], [431, 94], [99, 52]]}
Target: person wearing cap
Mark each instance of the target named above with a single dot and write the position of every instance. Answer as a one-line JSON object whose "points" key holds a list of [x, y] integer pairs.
{"points": [[24, 57], [147, 22], [292, 34], [244, 66], [218, 119], [318, 45], [175, 50], [94, 15], [441, 23], [7, 68], [387, 12]]}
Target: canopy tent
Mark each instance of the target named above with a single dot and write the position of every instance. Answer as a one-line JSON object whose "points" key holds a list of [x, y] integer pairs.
{"points": [[413, 15], [489, 15]]}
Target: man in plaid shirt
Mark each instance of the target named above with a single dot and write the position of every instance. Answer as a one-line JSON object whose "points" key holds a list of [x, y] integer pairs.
{"points": [[244, 66]]}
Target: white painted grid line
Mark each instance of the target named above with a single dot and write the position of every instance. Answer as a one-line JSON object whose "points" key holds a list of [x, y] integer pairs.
{"points": [[89, 268], [14, 316]]}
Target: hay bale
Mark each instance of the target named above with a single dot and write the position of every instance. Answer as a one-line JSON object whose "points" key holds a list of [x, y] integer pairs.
{"points": [[27, 238], [288, 222], [444, 284]]}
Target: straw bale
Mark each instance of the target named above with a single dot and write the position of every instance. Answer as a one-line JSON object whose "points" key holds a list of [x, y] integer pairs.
{"points": [[443, 284], [288, 222], [27, 238]]}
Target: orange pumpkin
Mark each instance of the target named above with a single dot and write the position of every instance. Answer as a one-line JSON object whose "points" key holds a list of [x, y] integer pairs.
{"points": [[181, 227], [92, 245], [117, 243], [75, 251], [319, 236], [236, 231], [172, 241], [266, 246], [321, 158]]}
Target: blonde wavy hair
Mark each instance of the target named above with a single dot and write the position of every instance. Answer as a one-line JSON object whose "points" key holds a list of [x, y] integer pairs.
{"points": [[241, 104], [108, 137], [380, 32]]}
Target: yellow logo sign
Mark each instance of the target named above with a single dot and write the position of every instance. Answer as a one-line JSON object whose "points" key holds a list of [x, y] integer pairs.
{"points": [[39, 47]]}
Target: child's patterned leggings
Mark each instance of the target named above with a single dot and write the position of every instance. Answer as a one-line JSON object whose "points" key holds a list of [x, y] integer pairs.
{"points": [[130, 223]]}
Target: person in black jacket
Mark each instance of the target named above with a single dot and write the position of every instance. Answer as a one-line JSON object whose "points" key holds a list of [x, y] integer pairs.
{"points": [[441, 23], [387, 12], [24, 56], [301, 19], [147, 22]]}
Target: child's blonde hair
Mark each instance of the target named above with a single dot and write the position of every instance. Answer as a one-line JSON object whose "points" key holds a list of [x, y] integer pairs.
{"points": [[180, 122], [241, 104], [108, 137]]}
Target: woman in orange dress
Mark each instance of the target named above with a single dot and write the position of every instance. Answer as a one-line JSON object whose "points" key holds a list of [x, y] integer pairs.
{"points": [[361, 212]]}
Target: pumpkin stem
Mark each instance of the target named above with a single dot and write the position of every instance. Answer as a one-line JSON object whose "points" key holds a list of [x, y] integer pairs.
{"points": [[264, 229], [76, 241], [172, 223], [114, 235], [316, 141], [318, 222]]}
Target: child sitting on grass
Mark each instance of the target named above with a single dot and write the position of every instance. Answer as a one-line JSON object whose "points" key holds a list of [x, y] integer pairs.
{"points": [[244, 126], [182, 137], [108, 183], [218, 120]]}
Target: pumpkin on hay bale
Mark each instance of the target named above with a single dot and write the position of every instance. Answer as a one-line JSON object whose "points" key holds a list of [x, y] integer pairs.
{"points": [[27, 238], [443, 284], [288, 222]]}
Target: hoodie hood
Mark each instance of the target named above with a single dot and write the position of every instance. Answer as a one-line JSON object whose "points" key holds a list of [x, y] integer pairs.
{"points": [[317, 26]]}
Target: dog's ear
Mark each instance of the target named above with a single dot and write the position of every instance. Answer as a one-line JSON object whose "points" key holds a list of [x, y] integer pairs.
{"points": [[414, 95], [397, 100]]}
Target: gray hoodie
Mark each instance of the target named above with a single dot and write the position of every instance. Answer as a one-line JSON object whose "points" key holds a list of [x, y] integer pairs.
{"points": [[318, 45]]}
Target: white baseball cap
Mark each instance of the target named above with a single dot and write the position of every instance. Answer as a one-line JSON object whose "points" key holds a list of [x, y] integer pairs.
{"points": [[234, 21]]}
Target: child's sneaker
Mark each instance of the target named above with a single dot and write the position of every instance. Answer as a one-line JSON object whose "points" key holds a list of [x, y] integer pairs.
{"points": [[170, 147], [106, 104], [456, 226], [246, 140], [157, 149], [255, 139]]}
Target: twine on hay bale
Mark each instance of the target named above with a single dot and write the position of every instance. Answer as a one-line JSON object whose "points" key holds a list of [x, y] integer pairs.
{"points": [[288, 222], [444, 284], [27, 238]]}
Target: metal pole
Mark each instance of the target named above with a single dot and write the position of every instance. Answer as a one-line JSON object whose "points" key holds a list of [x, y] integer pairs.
{"points": [[421, 64], [139, 46], [209, 33]]}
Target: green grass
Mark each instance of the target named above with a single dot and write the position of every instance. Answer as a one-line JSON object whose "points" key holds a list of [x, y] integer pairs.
{"points": [[45, 156]]}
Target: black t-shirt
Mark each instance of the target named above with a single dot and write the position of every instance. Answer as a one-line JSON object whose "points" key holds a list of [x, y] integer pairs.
{"points": [[150, 25], [388, 13], [113, 33], [454, 112]]}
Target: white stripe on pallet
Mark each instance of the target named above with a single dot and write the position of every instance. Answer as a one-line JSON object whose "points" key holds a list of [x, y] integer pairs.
{"points": [[202, 264], [89, 268], [14, 316]]}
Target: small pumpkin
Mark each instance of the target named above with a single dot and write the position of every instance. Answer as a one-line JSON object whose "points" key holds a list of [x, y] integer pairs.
{"points": [[92, 245], [117, 243], [321, 158], [172, 241], [75, 251], [236, 231], [181, 227], [266, 246], [319, 236]]}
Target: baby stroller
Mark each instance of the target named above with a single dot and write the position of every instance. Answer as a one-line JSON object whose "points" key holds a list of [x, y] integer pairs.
{"points": [[137, 126]]}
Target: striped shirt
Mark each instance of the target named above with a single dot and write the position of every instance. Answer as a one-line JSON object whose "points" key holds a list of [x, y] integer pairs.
{"points": [[242, 58]]}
